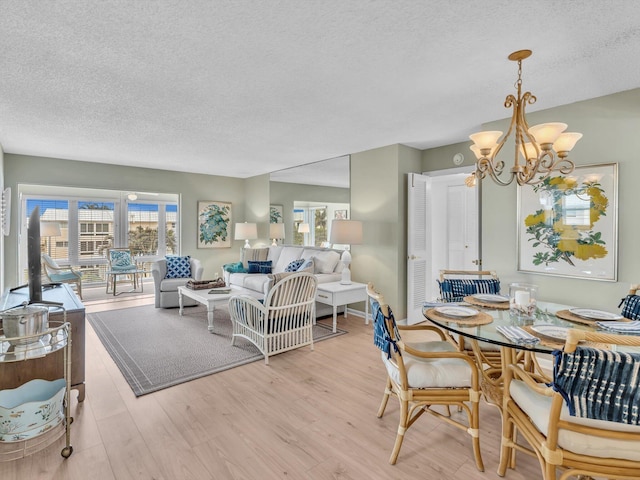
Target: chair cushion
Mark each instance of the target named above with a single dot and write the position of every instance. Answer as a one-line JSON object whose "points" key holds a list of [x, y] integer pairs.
{"points": [[631, 307], [294, 265], [432, 373], [455, 289], [64, 276], [260, 267], [538, 406], [172, 284], [178, 267]]}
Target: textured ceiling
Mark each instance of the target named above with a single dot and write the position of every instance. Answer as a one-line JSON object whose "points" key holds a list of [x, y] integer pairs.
{"points": [[248, 87]]}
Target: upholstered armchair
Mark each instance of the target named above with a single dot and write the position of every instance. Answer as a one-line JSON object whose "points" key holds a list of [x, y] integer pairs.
{"points": [[167, 280]]}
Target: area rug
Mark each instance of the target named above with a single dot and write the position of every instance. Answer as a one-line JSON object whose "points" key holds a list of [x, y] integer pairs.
{"points": [[156, 348]]}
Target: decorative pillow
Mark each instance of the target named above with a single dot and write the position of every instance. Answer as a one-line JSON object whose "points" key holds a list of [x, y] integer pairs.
{"points": [[454, 290], [295, 265], [260, 267], [631, 307], [120, 259], [308, 264], [234, 267], [326, 261], [254, 254], [178, 267]]}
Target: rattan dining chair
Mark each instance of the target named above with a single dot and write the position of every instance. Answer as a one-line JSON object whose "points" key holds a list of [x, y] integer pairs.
{"points": [[425, 374], [587, 422], [454, 286]]}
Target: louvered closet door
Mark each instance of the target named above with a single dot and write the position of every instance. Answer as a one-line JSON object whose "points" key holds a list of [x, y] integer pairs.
{"points": [[418, 247]]}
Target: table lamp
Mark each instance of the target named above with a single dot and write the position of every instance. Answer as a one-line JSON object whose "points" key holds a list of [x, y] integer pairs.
{"points": [[246, 231], [276, 232], [346, 232], [50, 229]]}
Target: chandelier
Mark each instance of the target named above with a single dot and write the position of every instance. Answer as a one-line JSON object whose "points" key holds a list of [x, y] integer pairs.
{"points": [[539, 150]]}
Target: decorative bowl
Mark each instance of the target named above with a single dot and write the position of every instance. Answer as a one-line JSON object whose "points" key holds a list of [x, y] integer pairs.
{"points": [[31, 409]]}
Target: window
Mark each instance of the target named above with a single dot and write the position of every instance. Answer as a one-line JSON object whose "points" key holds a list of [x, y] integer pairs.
{"points": [[92, 221]]}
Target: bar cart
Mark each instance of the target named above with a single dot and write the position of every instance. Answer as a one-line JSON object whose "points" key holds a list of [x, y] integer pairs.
{"points": [[37, 412]]}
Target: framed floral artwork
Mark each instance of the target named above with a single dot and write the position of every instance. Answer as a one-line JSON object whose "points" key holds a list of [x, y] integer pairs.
{"points": [[568, 224], [340, 215], [214, 224], [276, 214]]}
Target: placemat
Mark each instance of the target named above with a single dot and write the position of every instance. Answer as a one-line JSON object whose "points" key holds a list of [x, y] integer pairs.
{"points": [[480, 319], [554, 343], [497, 305], [572, 317]]}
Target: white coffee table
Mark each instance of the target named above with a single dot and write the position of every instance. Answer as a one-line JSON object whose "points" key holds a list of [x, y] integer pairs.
{"points": [[210, 300], [336, 294]]}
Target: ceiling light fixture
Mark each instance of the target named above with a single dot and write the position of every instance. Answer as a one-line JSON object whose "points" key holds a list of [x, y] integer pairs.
{"points": [[132, 196], [539, 150]]}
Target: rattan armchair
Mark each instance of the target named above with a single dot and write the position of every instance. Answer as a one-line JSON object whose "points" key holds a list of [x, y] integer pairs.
{"points": [[284, 320], [601, 440], [425, 374]]}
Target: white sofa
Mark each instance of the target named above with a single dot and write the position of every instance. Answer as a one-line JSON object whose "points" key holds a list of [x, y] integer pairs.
{"points": [[327, 268], [166, 289]]}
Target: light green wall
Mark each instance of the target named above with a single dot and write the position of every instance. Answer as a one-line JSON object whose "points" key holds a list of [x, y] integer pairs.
{"points": [[283, 193], [191, 187], [378, 198], [257, 205], [611, 127]]}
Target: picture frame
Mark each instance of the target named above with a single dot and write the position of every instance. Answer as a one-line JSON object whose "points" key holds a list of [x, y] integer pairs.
{"points": [[276, 214], [340, 215], [214, 224], [568, 224]]}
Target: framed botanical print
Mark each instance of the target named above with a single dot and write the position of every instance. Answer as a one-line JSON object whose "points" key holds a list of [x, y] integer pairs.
{"points": [[214, 224], [568, 224], [276, 214]]}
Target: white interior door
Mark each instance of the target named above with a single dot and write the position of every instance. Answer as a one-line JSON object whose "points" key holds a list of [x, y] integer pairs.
{"points": [[418, 246], [443, 233]]}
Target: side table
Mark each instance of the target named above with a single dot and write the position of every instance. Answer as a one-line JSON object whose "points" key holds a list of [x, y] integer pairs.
{"points": [[337, 294]]}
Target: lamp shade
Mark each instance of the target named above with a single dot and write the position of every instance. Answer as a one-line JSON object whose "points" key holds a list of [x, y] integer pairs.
{"points": [[346, 232], [276, 230], [246, 231], [50, 229], [303, 228]]}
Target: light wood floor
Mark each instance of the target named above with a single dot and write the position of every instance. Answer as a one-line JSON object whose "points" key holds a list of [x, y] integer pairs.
{"points": [[308, 415]]}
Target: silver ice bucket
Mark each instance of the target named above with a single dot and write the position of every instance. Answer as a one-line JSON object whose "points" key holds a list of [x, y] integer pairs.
{"points": [[24, 321]]}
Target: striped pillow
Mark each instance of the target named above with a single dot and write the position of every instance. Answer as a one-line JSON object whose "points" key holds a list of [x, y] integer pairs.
{"points": [[631, 307], [454, 290]]}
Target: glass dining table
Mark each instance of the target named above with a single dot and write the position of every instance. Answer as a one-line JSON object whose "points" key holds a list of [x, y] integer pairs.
{"points": [[548, 325]]}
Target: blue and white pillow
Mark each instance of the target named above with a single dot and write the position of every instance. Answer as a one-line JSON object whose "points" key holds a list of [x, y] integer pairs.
{"points": [[260, 267], [454, 290], [121, 260], [631, 307], [294, 266], [178, 267]]}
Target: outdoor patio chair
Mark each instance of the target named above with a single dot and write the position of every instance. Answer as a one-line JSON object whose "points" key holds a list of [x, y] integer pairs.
{"points": [[586, 422], [282, 322], [121, 263], [425, 374], [57, 274]]}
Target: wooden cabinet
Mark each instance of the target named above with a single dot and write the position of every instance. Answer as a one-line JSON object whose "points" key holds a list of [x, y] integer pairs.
{"points": [[50, 367]]}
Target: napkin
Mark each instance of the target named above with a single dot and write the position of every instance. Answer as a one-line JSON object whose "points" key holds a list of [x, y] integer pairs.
{"points": [[517, 335], [439, 304], [624, 327]]}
